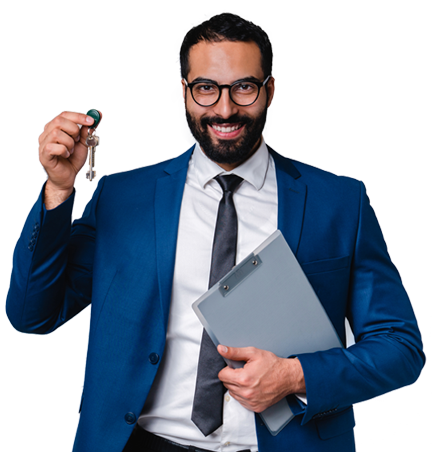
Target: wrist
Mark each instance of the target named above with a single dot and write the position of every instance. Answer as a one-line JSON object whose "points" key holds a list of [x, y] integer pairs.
{"points": [[54, 195], [294, 376], [299, 377]]}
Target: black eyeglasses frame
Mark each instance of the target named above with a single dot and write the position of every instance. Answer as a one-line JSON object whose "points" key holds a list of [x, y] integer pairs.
{"points": [[221, 87]]}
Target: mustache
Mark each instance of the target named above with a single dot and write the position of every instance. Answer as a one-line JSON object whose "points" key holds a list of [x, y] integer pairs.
{"points": [[234, 119]]}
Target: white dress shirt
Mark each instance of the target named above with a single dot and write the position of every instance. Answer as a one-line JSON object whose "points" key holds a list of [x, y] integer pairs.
{"points": [[167, 411]]}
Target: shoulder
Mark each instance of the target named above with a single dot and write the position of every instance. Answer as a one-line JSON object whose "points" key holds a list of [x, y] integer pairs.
{"points": [[314, 175], [147, 176], [318, 181]]}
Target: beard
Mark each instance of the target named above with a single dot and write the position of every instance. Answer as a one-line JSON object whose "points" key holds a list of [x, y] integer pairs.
{"points": [[228, 151]]}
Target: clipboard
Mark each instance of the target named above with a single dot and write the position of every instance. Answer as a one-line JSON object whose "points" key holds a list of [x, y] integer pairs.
{"points": [[267, 302]]}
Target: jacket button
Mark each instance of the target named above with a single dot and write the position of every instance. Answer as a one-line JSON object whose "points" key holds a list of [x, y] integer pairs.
{"points": [[154, 358], [130, 418]]}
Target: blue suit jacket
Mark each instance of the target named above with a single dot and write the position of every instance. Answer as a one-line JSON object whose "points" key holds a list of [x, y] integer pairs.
{"points": [[120, 257]]}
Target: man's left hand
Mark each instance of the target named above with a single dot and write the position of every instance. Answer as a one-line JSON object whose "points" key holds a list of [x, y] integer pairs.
{"points": [[264, 380]]}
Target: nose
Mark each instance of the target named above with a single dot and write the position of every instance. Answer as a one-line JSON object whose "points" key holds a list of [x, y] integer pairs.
{"points": [[225, 107]]}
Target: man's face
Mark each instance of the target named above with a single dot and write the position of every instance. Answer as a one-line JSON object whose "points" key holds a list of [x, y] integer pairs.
{"points": [[227, 133]]}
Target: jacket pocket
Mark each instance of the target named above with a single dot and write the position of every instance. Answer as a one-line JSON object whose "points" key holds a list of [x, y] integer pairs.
{"points": [[336, 424], [325, 265]]}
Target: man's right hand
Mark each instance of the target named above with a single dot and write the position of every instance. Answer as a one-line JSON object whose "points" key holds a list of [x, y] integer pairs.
{"points": [[63, 152]]}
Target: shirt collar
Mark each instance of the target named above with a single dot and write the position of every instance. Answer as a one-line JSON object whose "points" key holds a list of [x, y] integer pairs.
{"points": [[253, 170]]}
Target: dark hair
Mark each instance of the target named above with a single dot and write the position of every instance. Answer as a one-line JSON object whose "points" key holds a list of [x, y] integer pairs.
{"points": [[227, 27]]}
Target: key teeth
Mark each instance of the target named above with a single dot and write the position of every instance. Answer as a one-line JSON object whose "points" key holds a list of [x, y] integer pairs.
{"points": [[90, 175]]}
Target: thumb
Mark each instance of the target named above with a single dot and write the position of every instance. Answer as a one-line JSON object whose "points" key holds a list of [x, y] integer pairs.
{"points": [[236, 353]]}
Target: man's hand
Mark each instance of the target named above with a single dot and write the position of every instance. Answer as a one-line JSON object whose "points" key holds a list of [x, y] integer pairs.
{"points": [[63, 152], [264, 380]]}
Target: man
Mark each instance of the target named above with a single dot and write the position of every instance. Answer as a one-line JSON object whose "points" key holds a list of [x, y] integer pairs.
{"points": [[145, 249]]}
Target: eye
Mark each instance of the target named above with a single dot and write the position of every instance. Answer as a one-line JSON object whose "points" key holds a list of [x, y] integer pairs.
{"points": [[244, 88], [205, 88]]}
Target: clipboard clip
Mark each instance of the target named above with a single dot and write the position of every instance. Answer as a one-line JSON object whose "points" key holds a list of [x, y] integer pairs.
{"points": [[239, 273]]}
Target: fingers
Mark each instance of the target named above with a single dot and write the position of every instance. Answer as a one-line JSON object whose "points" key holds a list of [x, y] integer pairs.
{"points": [[238, 353], [78, 118], [263, 380], [61, 134], [57, 150], [235, 378], [62, 148], [246, 400], [67, 122], [58, 136], [250, 398]]}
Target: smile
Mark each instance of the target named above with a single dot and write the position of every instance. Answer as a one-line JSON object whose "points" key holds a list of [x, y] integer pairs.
{"points": [[227, 131]]}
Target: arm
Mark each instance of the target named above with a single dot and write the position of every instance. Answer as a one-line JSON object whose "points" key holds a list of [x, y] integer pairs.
{"points": [[52, 267], [388, 349], [387, 354], [51, 278]]}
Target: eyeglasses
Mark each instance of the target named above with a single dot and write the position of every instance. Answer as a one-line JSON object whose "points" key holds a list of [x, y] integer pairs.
{"points": [[243, 92]]}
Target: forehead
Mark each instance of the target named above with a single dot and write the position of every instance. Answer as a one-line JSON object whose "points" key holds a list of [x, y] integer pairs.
{"points": [[225, 61]]}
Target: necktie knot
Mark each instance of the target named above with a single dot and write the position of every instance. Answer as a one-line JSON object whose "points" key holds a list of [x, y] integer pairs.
{"points": [[229, 182]]}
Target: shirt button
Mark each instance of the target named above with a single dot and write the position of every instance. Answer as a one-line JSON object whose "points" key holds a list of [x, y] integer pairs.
{"points": [[227, 444], [227, 398], [154, 358]]}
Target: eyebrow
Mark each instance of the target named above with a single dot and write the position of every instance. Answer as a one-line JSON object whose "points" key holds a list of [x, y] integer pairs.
{"points": [[243, 79]]}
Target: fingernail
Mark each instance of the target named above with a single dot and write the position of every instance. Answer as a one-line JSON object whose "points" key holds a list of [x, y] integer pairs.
{"points": [[89, 119], [224, 349]]}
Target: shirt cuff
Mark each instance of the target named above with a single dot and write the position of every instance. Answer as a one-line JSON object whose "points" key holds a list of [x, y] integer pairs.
{"points": [[302, 398], [60, 207]]}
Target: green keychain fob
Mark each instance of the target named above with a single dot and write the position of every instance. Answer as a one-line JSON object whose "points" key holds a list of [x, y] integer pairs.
{"points": [[96, 115], [92, 141]]}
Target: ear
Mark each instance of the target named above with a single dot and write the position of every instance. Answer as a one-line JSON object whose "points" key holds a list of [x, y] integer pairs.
{"points": [[270, 86], [184, 89]]}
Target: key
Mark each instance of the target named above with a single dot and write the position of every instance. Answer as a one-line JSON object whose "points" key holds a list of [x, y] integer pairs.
{"points": [[92, 141]]}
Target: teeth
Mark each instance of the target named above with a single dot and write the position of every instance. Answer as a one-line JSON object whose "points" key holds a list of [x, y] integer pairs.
{"points": [[226, 129]]}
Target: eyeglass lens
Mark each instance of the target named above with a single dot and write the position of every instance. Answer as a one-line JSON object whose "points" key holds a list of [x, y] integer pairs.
{"points": [[243, 93]]}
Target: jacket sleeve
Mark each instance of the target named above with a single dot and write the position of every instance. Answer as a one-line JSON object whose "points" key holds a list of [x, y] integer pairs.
{"points": [[388, 349], [51, 279]]}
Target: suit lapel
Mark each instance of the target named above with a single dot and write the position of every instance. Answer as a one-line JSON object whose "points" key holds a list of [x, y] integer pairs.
{"points": [[168, 198], [291, 200]]}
